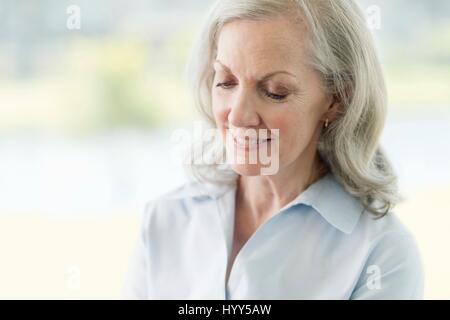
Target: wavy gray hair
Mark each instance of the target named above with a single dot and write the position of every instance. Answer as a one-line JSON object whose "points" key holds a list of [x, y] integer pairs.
{"points": [[342, 51]]}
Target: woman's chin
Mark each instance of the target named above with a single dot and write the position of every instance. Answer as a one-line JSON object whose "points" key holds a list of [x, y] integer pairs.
{"points": [[248, 170]]}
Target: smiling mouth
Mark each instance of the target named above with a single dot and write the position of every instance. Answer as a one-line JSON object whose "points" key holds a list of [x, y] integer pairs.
{"points": [[250, 144]]}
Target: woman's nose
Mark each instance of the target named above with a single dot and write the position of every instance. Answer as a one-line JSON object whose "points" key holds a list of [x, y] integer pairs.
{"points": [[243, 111]]}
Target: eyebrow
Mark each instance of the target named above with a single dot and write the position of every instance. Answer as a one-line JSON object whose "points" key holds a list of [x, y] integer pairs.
{"points": [[267, 76]]}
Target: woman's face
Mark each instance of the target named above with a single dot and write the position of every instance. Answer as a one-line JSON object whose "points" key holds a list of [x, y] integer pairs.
{"points": [[262, 81]]}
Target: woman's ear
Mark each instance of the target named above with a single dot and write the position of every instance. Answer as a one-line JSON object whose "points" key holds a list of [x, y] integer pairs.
{"points": [[335, 110]]}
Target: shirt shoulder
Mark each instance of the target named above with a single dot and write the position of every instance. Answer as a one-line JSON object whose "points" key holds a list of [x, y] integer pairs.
{"points": [[375, 228], [182, 201], [194, 190], [393, 266]]}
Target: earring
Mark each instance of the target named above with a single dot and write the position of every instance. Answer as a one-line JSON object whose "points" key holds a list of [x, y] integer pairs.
{"points": [[326, 123]]}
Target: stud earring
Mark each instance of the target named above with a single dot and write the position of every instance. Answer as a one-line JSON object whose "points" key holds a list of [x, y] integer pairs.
{"points": [[326, 123]]}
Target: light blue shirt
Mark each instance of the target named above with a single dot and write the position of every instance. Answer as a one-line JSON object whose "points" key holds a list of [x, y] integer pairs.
{"points": [[319, 246]]}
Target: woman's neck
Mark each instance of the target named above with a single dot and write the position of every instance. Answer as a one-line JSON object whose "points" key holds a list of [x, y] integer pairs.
{"points": [[263, 195]]}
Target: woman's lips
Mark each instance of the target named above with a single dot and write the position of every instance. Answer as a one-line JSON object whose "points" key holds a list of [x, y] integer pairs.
{"points": [[246, 144]]}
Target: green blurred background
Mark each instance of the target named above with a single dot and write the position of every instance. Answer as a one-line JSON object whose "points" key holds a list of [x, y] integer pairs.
{"points": [[86, 117], [124, 66]]}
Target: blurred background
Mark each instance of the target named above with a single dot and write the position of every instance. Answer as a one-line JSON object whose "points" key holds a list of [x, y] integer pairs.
{"points": [[90, 93]]}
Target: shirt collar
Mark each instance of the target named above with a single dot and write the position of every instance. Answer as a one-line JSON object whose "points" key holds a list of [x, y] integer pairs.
{"points": [[326, 196], [330, 199]]}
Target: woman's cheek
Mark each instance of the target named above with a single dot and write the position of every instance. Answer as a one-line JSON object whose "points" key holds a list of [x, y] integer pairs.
{"points": [[219, 109], [221, 115], [290, 131], [281, 123]]}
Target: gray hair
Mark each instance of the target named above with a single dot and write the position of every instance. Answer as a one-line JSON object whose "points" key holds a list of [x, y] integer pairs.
{"points": [[342, 51]]}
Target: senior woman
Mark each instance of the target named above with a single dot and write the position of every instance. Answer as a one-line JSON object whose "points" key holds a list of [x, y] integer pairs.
{"points": [[321, 225]]}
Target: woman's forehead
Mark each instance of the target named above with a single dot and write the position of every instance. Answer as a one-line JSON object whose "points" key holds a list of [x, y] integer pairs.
{"points": [[246, 47], [263, 33], [261, 40]]}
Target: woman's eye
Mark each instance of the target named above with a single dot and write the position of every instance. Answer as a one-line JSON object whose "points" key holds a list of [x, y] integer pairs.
{"points": [[274, 96], [224, 85]]}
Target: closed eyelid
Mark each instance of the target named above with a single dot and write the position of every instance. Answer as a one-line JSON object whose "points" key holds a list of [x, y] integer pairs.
{"points": [[266, 84]]}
